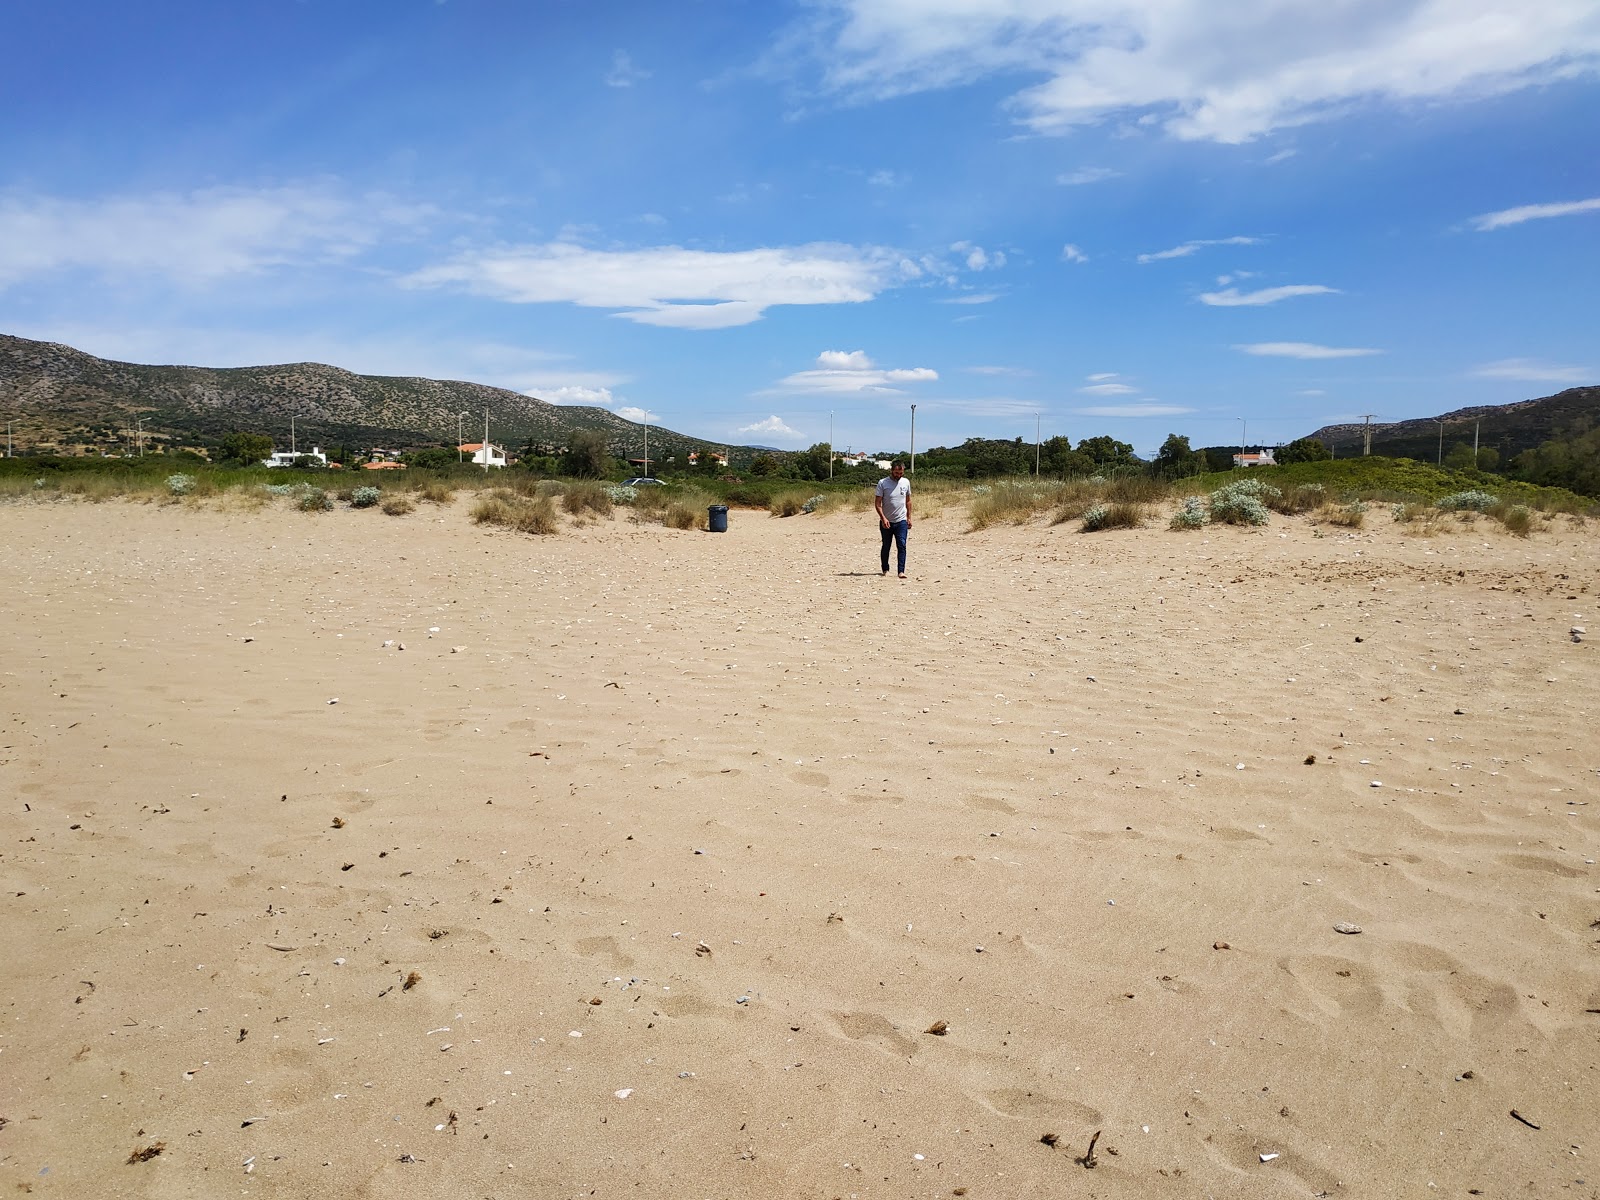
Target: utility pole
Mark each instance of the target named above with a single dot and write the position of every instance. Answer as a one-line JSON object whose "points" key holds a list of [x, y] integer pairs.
{"points": [[830, 444], [1036, 445], [1242, 427], [486, 441], [647, 445], [1475, 425], [461, 454], [913, 439], [1440, 461], [1366, 434], [292, 449]]}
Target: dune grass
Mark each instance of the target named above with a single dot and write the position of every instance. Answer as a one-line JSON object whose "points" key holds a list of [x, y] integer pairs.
{"points": [[508, 509]]}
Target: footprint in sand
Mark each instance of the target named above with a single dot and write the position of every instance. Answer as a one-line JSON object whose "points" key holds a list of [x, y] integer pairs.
{"points": [[1020, 1102], [605, 947], [870, 1027], [990, 804], [1537, 862]]}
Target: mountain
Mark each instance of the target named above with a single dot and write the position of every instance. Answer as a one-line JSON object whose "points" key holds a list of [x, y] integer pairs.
{"points": [[57, 396], [1508, 428]]}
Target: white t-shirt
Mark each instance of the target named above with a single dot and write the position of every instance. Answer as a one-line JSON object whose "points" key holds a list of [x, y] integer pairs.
{"points": [[894, 492]]}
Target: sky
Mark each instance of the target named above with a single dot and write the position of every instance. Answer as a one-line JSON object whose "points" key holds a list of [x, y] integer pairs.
{"points": [[787, 222]]}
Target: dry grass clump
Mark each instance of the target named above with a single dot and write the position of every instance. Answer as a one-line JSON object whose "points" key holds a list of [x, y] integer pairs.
{"points": [[1297, 498], [1136, 489], [436, 491], [587, 497], [1073, 499], [1012, 503], [525, 514], [678, 515], [789, 503], [396, 505], [1119, 515], [1517, 518], [1350, 516]]}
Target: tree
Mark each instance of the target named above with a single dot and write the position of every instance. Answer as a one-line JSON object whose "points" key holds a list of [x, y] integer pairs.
{"points": [[434, 459], [588, 455], [1461, 458], [763, 465], [1303, 450], [1175, 460], [1106, 451], [245, 447]]}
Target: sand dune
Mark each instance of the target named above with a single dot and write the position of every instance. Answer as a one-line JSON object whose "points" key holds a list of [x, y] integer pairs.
{"points": [[357, 856]]}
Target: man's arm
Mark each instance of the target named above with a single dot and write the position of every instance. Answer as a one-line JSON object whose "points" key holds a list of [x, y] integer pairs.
{"points": [[877, 503], [908, 508]]}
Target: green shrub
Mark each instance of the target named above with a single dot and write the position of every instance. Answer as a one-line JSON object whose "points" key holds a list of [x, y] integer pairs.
{"points": [[619, 494], [314, 499], [1474, 500], [1517, 518], [1192, 514], [1350, 515], [180, 484], [365, 497], [1242, 502], [784, 504]]}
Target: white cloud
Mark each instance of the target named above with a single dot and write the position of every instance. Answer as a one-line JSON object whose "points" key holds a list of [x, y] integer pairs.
{"points": [[1533, 212], [772, 425], [629, 412], [1144, 408], [1019, 372], [1108, 389], [840, 372], [623, 74], [672, 286], [1071, 254], [574, 394], [974, 298], [1303, 350], [1234, 298], [1085, 175], [1311, 392], [1101, 376], [1199, 70], [1531, 370], [888, 178], [197, 237], [1188, 248], [979, 259]]}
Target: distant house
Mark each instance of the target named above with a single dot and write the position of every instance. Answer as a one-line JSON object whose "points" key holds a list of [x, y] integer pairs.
{"points": [[287, 458], [485, 453], [1262, 459], [383, 464], [694, 458]]}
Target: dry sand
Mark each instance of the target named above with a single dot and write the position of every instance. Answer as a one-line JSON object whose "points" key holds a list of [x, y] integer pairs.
{"points": [[645, 866]]}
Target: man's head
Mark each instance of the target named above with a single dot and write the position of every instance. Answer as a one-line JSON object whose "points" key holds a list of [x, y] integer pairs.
{"points": [[896, 470]]}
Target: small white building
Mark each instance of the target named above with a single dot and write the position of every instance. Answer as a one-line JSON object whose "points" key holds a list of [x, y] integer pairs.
{"points": [[287, 458], [485, 453], [1262, 459]]}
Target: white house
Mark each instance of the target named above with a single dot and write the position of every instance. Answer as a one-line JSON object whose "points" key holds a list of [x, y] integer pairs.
{"points": [[287, 458], [1263, 459], [483, 453]]}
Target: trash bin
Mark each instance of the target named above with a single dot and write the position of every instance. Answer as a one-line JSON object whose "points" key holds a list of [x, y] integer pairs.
{"points": [[718, 522]]}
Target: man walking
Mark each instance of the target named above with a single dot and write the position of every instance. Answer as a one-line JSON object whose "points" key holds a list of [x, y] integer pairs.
{"points": [[892, 499]]}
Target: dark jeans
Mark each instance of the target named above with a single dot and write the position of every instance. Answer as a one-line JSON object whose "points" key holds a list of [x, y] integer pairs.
{"points": [[897, 533]]}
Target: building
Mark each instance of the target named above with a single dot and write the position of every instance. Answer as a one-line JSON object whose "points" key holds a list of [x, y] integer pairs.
{"points": [[484, 453], [287, 458], [1262, 459]]}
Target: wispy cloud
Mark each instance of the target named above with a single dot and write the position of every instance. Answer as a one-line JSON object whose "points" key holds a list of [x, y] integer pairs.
{"points": [[1533, 212], [575, 394], [1143, 408], [1532, 370], [1072, 254], [1234, 298], [1085, 175], [198, 237], [1017, 372], [974, 298], [1176, 65], [623, 74], [1188, 248], [1109, 389], [1304, 350], [671, 286], [852, 372], [979, 259], [773, 426]]}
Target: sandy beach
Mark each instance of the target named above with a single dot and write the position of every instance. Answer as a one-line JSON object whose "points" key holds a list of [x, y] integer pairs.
{"points": [[357, 856]]}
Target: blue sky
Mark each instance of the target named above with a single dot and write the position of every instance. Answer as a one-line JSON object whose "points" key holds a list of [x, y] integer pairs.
{"points": [[751, 220]]}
